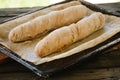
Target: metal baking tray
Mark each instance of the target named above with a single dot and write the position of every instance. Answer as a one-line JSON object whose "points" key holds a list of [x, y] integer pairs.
{"points": [[48, 68]]}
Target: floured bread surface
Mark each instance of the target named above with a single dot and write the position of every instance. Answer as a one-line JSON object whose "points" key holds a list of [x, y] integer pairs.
{"points": [[26, 18], [67, 35], [47, 22]]}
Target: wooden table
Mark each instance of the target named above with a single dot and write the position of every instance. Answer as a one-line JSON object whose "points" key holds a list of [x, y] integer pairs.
{"points": [[103, 67]]}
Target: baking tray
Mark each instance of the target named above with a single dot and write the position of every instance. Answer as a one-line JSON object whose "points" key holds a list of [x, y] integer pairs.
{"points": [[48, 68]]}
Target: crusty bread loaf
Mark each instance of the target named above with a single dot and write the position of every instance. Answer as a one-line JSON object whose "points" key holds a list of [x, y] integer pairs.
{"points": [[47, 22], [67, 35], [26, 18]]}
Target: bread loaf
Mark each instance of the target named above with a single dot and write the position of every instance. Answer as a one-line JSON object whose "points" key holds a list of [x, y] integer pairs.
{"points": [[47, 22], [28, 17], [69, 34]]}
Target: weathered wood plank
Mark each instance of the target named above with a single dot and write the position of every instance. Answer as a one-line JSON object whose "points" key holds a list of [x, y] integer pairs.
{"points": [[4, 18], [111, 6], [17, 76], [103, 60], [89, 74], [10, 12], [77, 74]]}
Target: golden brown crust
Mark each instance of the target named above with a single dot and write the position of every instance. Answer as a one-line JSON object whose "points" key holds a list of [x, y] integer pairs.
{"points": [[47, 22], [13, 23], [69, 34]]}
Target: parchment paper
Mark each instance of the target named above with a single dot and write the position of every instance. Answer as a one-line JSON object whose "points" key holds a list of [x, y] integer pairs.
{"points": [[25, 49]]}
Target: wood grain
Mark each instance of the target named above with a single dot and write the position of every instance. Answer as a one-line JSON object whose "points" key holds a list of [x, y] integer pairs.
{"points": [[11, 12], [86, 74]]}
